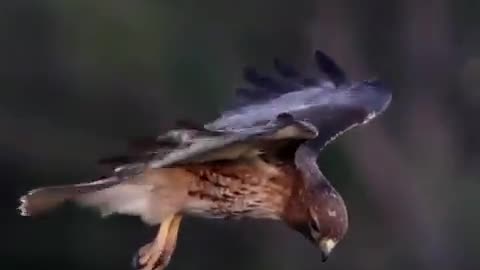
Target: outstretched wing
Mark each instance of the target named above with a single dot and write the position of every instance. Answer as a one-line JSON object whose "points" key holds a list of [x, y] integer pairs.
{"points": [[270, 96], [288, 107], [267, 88], [332, 103]]}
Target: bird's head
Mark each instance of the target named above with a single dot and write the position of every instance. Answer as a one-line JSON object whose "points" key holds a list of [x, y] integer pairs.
{"points": [[327, 219]]}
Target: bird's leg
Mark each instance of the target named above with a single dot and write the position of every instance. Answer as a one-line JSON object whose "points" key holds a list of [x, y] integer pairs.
{"points": [[170, 243], [149, 254], [156, 255]]}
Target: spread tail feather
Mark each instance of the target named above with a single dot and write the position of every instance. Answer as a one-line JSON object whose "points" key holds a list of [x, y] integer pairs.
{"points": [[41, 200]]}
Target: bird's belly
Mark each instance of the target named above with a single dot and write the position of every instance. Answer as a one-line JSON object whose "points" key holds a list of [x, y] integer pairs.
{"points": [[240, 188], [241, 202]]}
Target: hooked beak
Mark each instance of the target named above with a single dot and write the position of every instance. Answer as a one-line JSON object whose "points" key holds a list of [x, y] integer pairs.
{"points": [[326, 246]]}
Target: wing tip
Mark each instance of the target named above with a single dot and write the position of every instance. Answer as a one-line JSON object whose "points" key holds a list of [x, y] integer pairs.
{"points": [[289, 79], [373, 96], [327, 65]]}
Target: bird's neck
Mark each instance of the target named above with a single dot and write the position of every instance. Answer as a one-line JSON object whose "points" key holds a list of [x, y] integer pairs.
{"points": [[296, 211]]}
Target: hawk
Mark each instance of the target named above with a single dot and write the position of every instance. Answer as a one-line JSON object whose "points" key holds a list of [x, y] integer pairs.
{"points": [[258, 159]]}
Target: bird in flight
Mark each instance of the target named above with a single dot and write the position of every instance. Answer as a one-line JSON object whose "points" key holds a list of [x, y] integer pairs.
{"points": [[257, 159]]}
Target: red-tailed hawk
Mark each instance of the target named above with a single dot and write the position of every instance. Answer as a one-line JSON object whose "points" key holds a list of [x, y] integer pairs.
{"points": [[256, 160]]}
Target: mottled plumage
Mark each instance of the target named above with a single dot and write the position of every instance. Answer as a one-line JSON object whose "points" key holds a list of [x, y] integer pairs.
{"points": [[256, 160]]}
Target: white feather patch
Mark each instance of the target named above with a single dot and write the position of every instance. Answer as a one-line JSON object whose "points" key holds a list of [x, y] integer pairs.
{"points": [[126, 199]]}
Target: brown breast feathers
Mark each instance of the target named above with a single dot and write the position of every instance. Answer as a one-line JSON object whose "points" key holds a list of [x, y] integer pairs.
{"points": [[250, 188]]}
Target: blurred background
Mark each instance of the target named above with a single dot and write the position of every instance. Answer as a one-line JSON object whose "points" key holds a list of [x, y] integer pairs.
{"points": [[78, 78]]}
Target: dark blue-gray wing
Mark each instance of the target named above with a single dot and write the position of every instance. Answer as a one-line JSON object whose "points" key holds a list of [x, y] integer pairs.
{"points": [[286, 79], [315, 110], [332, 103], [268, 96]]}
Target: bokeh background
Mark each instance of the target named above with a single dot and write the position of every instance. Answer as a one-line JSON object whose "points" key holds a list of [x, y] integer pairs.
{"points": [[78, 78]]}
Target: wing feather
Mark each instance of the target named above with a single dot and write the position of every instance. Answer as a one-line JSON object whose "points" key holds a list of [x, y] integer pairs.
{"points": [[285, 70], [291, 107], [201, 146], [266, 88], [330, 68], [332, 104]]}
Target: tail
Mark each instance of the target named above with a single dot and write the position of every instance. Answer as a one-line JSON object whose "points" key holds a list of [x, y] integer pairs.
{"points": [[41, 200]]}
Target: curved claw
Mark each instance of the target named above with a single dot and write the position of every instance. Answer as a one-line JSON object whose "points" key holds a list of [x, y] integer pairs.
{"points": [[151, 256], [156, 255]]}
